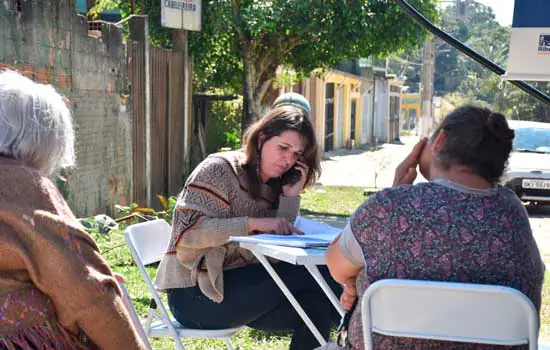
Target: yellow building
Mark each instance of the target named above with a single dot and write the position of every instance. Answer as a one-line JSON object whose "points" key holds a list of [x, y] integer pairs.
{"points": [[350, 110], [410, 110], [335, 108]]}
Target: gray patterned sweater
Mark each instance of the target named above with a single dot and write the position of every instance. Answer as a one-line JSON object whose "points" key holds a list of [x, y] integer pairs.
{"points": [[215, 204]]}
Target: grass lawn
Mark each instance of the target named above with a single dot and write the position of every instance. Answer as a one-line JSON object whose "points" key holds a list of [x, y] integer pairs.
{"points": [[330, 201], [319, 200], [545, 310]]}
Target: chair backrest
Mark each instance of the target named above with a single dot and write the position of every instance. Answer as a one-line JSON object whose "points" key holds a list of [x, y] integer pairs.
{"points": [[149, 239], [462, 312], [148, 242]]}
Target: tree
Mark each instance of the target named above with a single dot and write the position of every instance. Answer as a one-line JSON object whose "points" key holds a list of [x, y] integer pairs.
{"points": [[408, 65], [460, 80], [491, 40], [452, 67], [306, 35], [248, 40]]}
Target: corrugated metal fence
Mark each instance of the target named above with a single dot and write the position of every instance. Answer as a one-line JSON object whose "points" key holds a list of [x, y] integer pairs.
{"points": [[136, 75], [167, 121]]}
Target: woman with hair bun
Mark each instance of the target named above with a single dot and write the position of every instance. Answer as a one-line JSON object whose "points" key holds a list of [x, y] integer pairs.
{"points": [[461, 226]]}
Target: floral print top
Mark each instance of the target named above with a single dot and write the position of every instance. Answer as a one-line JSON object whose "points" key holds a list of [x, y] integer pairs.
{"points": [[443, 231]]}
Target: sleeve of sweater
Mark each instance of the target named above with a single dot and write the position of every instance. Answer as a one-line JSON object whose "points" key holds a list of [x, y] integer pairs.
{"points": [[202, 216], [289, 208], [64, 263], [213, 231]]}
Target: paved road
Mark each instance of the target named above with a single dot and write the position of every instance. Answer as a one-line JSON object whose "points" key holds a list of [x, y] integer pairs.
{"points": [[540, 224], [368, 168]]}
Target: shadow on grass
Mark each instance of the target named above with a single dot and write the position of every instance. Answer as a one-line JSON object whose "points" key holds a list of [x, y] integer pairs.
{"points": [[308, 212], [142, 301], [335, 220], [264, 335]]}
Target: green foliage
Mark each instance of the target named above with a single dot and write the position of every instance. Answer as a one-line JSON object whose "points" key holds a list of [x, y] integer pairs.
{"points": [[473, 81], [216, 49], [159, 35], [252, 39], [339, 31], [460, 79], [62, 184], [304, 35], [223, 126], [233, 139], [458, 99], [101, 5]]}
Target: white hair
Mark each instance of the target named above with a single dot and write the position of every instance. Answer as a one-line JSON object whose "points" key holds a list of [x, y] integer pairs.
{"points": [[35, 124]]}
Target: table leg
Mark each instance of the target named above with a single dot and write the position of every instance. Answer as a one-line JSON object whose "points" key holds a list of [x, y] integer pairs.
{"points": [[314, 271], [282, 286]]}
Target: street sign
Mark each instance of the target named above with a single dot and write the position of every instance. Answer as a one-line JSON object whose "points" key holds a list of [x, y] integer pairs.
{"points": [[529, 57], [181, 14]]}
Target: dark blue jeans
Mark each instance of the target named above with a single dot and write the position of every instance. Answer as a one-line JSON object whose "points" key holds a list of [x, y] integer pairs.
{"points": [[252, 298]]}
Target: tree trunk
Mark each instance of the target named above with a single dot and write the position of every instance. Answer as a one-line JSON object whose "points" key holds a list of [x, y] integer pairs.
{"points": [[251, 100], [249, 116], [256, 82]]}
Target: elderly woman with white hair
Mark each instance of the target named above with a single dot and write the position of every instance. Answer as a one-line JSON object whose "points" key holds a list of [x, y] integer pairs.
{"points": [[56, 291]]}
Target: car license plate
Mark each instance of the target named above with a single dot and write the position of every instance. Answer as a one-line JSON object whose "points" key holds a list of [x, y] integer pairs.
{"points": [[536, 183]]}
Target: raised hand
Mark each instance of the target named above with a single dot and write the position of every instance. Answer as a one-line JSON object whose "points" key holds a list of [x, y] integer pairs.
{"points": [[297, 188], [405, 173], [349, 294]]}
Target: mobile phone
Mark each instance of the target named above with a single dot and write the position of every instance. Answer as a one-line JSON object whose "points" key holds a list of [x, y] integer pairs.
{"points": [[291, 177]]}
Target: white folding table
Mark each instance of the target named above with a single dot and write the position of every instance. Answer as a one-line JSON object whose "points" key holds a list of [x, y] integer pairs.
{"points": [[309, 258]]}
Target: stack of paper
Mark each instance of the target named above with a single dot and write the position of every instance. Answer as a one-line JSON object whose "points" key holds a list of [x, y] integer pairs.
{"points": [[316, 234]]}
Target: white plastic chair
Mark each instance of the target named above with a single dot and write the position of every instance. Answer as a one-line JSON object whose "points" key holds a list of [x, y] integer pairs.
{"points": [[133, 315], [148, 242], [462, 312]]}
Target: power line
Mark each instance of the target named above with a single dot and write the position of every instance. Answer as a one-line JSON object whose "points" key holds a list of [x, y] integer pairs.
{"points": [[424, 22], [405, 61]]}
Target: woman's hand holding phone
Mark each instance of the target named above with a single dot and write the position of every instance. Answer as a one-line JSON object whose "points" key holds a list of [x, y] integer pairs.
{"points": [[294, 190], [405, 173]]}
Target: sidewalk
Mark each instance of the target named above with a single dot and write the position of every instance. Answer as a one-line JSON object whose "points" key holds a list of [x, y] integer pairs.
{"points": [[362, 168], [366, 168]]}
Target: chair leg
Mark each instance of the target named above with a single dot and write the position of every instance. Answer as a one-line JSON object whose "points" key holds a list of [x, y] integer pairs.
{"points": [[228, 343], [149, 321], [173, 333], [179, 344]]}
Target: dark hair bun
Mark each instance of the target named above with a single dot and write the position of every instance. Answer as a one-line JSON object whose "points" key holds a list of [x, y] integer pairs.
{"points": [[498, 127]]}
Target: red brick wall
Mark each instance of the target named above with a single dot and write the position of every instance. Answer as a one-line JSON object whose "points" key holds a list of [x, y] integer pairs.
{"points": [[48, 42]]}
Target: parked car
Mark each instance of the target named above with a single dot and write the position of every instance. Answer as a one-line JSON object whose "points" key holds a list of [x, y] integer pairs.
{"points": [[528, 171]]}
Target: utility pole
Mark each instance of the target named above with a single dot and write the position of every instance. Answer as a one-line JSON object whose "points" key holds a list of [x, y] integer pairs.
{"points": [[427, 87], [428, 72]]}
